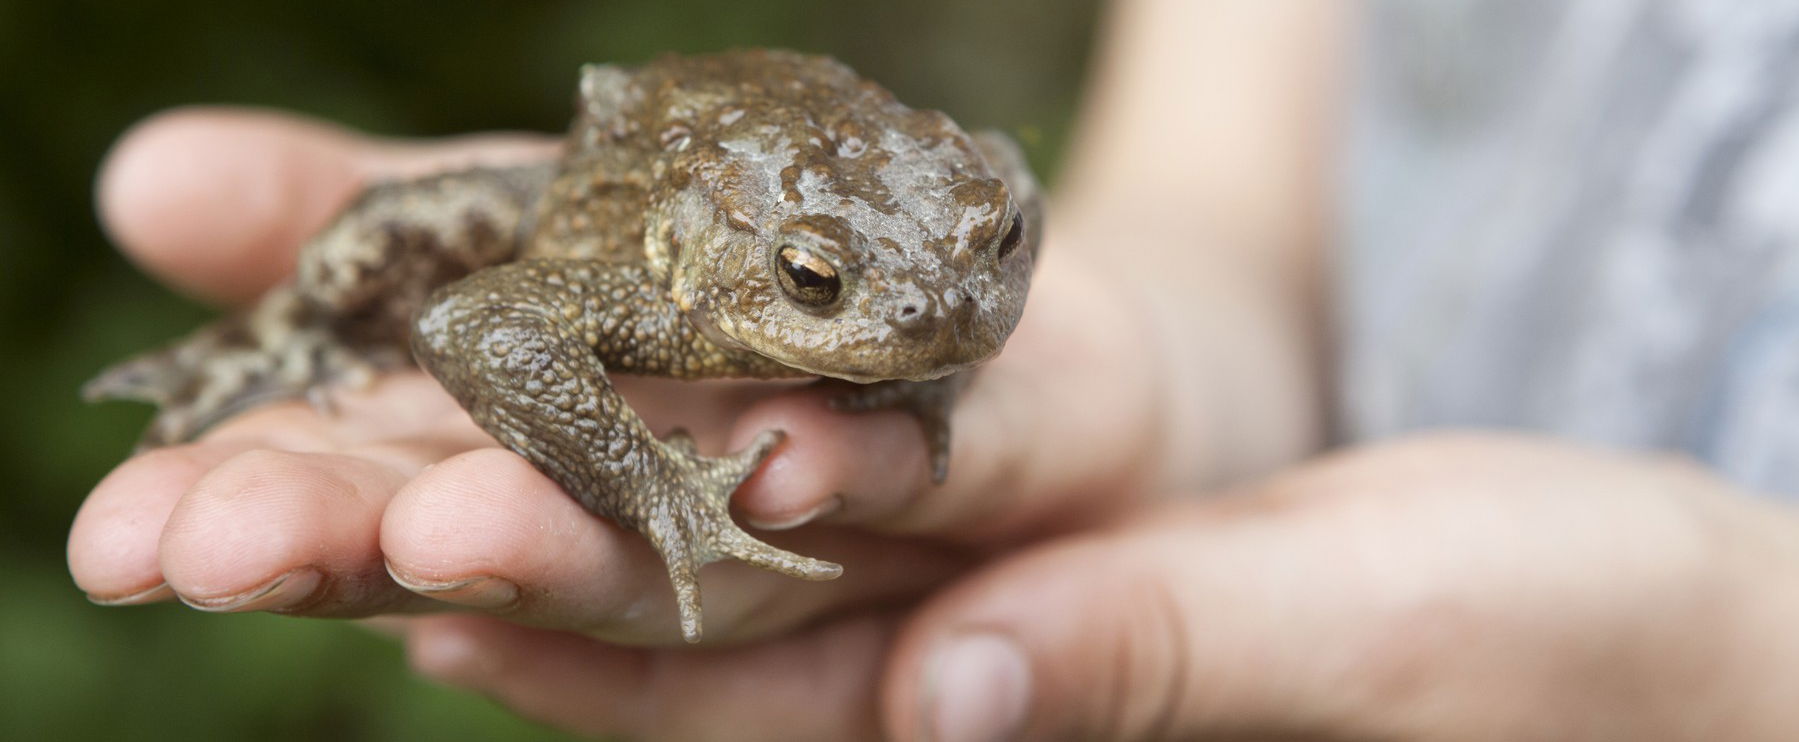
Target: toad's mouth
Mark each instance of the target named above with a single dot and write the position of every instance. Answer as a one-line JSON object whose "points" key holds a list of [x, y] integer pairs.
{"points": [[863, 376], [710, 330], [844, 365], [851, 370]]}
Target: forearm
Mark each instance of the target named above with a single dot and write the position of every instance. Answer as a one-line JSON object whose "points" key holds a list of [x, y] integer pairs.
{"points": [[1764, 639], [1200, 179]]}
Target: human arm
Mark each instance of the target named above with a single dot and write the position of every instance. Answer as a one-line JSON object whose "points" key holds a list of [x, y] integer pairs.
{"points": [[1200, 176]]}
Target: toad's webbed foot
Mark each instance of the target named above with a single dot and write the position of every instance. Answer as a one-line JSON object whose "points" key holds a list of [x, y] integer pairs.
{"points": [[685, 513], [931, 402], [268, 355], [343, 318]]}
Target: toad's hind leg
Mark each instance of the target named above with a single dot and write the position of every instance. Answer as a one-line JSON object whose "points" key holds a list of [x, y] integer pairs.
{"points": [[269, 354], [345, 314], [524, 347]]}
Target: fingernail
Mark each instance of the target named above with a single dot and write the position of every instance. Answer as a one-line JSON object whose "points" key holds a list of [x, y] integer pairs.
{"points": [[160, 592], [977, 688], [828, 506], [285, 591], [488, 593]]}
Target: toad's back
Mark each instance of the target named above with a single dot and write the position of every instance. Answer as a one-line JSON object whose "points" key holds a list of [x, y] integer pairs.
{"points": [[643, 134]]}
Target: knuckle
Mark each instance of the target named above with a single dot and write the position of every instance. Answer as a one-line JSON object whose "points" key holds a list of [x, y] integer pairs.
{"points": [[1151, 675]]}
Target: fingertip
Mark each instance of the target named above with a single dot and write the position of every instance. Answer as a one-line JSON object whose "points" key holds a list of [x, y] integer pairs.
{"points": [[450, 650], [563, 679], [216, 200], [477, 509], [980, 688], [282, 531], [1018, 645], [113, 551], [486, 530]]}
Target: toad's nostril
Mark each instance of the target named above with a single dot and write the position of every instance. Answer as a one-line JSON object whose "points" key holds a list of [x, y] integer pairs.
{"points": [[909, 318]]}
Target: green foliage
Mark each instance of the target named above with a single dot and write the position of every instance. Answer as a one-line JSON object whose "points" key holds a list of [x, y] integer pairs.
{"points": [[77, 74]]}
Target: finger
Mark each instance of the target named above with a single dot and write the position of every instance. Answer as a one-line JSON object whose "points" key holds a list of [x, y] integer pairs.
{"points": [[112, 548], [216, 201], [1176, 628], [1049, 433], [114, 551], [818, 685], [402, 422], [408, 407], [290, 532], [486, 530]]}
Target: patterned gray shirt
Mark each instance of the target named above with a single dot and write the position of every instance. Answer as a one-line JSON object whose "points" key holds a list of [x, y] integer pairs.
{"points": [[1580, 217]]}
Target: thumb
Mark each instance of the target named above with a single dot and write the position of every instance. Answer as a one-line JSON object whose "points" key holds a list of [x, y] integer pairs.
{"points": [[217, 200], [1194, 624]]}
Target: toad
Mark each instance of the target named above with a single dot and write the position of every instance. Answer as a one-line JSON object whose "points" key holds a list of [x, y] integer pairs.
{"points": [[749, 214]]}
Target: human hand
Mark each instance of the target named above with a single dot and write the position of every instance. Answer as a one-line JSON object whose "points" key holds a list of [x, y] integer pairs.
{"points": [[1453, 587], [397, 503]]}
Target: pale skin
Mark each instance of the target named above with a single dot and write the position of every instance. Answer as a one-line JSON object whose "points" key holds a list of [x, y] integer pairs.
{"points": [[1463, 586]]}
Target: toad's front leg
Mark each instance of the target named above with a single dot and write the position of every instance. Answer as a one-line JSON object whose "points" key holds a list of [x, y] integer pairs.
{"points": [[929, 402], [524, 348]]}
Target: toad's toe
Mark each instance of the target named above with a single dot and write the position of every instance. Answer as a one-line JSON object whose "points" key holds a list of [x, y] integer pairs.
{"points": [[687, 519]]}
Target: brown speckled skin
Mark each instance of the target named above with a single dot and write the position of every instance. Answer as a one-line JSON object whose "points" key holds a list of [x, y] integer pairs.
{"points": [[655, 245]]}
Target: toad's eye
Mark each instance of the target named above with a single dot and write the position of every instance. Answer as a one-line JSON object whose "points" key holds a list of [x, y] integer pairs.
{"points": [[807, 277], [1014, 236]]}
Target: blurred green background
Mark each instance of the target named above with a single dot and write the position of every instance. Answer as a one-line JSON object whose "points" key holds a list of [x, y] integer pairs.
{"points": [[76, 74]]}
